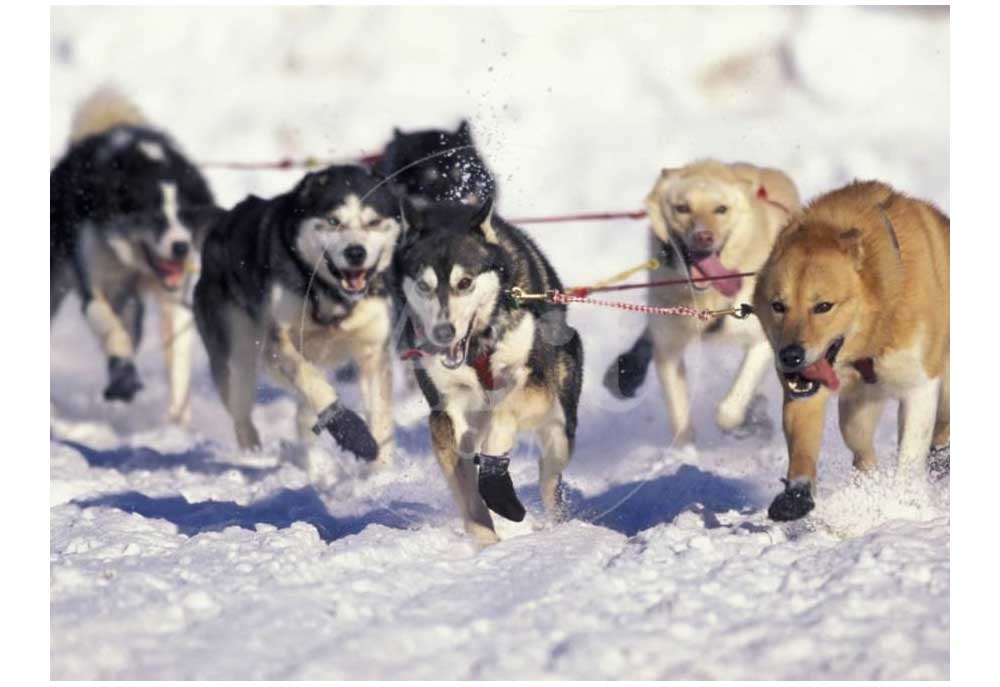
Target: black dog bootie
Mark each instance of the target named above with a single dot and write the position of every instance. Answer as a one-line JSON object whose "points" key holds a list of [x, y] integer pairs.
{"points": [[123, 380], [497, 488], [348, 430], [793, 503]]}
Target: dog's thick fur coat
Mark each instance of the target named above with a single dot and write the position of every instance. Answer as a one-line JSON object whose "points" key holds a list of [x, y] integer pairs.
{"points": [[298, 283], [127, 213], [490, 369], [855, 298]]}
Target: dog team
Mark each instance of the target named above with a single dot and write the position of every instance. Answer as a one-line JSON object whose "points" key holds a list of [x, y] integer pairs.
{"points": [[850, 293]]}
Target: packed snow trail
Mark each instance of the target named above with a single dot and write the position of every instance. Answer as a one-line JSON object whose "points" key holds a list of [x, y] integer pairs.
{"points": [[174, 555]]}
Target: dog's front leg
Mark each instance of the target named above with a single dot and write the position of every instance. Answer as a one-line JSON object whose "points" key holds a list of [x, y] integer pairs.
{"points": [[177, 334], [803, 424], [733, 409], [117, 345], [460, 473], [917, 414], [376, 388], [344, 425], [670, 367], [859, 411]]}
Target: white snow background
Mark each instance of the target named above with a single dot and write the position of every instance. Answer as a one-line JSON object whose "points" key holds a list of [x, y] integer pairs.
{"points": [[173, 555]]}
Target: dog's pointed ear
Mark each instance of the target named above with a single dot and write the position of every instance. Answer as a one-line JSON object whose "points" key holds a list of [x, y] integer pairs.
{"points": [[482, 221], [396, 132], [851, 243], [310, 187], [464, 131]]}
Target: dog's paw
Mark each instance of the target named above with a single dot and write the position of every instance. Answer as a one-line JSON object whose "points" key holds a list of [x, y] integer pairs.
{"points": [[497, 488], [793, 503], [123, 380], [939, 461], [348, 430], [627, 374]]}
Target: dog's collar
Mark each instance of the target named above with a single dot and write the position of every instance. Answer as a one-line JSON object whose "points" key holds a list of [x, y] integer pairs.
{"points": [[762, 194], [866, 368], [882, 207], [481, 363]]}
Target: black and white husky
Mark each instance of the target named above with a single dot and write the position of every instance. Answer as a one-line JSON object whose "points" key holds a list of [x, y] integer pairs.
{"points": [[127, 212], [298, 283], [488, 368], [435, 165]]}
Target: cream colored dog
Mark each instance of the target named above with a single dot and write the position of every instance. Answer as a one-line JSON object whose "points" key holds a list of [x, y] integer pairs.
{"points": [[711, 219]]}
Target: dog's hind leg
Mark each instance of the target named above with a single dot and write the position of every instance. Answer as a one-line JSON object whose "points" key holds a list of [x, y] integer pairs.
{"points": [[176, 325], [556, 452], [942, 423], [460, 473], [859, 415], [917, 413], [732, 410], [231, 340]]}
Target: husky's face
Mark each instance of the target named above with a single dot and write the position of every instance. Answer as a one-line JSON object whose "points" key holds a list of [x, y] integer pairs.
{"points": [[153, 206], [700, 212], [438, 166], [808, 299], [451, 272], [347, 227]]}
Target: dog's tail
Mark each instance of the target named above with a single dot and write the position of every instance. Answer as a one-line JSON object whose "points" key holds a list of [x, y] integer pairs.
{"points": [[105, 108]]}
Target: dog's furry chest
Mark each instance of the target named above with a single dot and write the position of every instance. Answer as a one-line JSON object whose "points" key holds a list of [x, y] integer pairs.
{"points": [[895, 371], [368, 324], [463, 392]]}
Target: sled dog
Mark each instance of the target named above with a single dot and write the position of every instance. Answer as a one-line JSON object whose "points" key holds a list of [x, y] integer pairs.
{"points": [[708, 220], [297, 285], [435, 165], [488, 368], [854, 299], [127, 215]]}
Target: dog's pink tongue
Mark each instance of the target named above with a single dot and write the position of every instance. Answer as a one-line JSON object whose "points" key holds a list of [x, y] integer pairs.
{"points": [[724, 281], [822, 371]]}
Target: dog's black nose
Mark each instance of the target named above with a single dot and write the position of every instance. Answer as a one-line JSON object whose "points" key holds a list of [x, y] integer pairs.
{"points": [[355, 254], [444, 332], [792, 357], [180, 249]]}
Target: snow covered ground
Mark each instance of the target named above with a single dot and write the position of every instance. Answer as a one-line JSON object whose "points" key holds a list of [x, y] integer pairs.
{"points": [[173, 555]]}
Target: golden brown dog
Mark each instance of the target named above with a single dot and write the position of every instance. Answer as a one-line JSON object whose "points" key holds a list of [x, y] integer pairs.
{"points": [[854, 299]]}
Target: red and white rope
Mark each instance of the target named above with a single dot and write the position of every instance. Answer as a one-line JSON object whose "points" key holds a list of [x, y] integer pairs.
{"points": [[682, 310]]}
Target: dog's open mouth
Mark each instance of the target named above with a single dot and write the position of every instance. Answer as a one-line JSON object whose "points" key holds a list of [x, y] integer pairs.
{"points": [[454, 356], [809, 379], [708, 267], [354, 282], [169, 272]]}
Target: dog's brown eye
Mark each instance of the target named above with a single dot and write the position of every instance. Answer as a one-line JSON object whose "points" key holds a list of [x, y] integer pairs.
{"points": [[823, 307], [464, 284], [721, 210], [778, 307], [682, 209], [374, 222]]}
